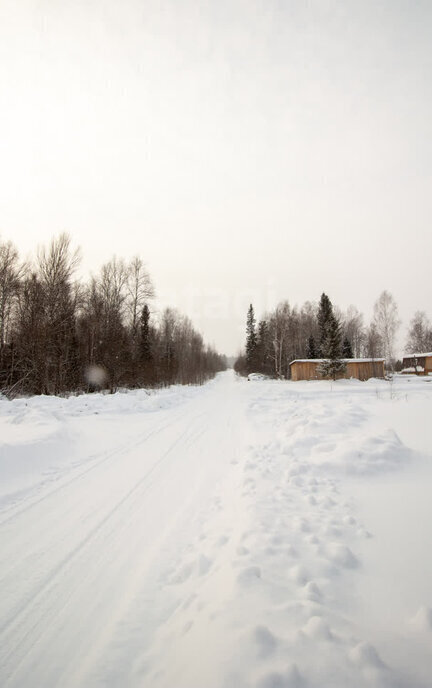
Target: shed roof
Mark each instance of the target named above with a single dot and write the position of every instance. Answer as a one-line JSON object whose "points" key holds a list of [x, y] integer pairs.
{"points": [[417, 355], [345, 360]]}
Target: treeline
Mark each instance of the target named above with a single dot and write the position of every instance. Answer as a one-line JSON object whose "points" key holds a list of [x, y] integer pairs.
{"points": [[59, 335], [321, 330]]}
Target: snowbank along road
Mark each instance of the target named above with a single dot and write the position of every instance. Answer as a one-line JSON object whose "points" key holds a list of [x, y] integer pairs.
{"points": [[241, 534]]}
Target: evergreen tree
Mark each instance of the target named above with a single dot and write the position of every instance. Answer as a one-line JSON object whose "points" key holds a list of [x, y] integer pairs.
{"points": [[251, 340], [262, 355], [325, 315], [311, 351], [347, 348], [145, 344], [332, 366]]}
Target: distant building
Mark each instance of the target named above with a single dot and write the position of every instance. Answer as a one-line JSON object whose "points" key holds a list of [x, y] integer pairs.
{"points": [[359, 368], [421, 364]]}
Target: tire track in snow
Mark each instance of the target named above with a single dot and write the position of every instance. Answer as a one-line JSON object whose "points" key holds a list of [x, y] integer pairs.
{"points": [[103, 457], [67, 527], [19, 615]]}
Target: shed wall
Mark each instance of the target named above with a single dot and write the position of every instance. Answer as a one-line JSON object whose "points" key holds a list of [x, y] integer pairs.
{"points": [[304, 371], [307, 370], [365, 370]]}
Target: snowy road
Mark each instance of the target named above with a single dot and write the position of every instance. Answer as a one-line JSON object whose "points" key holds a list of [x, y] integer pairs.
{"points": [[214, 537], [81, 552]]}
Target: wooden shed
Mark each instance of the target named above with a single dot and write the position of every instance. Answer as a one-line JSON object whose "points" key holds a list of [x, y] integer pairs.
{"points": [[359, 368], [421, 364]]}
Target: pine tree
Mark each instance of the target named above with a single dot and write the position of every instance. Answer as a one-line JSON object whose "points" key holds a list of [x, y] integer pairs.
{"points": [[347, 351], [332, 366], [145, 344], [325, 314], [311, 351], [251, 340]]}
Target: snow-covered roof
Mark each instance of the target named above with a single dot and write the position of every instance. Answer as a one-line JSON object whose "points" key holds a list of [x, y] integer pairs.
{"points": [[418, 355], [345, 360]]}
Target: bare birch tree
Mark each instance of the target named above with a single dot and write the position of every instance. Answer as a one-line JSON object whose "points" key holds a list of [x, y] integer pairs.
{"points": [[139, 290], [387, 323], [419, 334]]}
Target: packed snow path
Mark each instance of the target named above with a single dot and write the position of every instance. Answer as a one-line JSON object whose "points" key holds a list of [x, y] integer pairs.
{"points": [[233, 535]]}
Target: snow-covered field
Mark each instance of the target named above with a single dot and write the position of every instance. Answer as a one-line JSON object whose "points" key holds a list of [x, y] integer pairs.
{"points": [[241, 534]]}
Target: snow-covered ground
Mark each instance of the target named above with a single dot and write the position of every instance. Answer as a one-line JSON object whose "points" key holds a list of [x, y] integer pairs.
{"points": [[241, 534]]}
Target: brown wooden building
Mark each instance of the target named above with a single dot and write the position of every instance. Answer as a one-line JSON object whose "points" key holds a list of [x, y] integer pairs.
{"points": [[421, 364], [359, 368]]}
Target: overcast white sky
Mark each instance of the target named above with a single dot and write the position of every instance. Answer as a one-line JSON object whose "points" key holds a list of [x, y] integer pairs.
{"points": [[247, 150]]}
